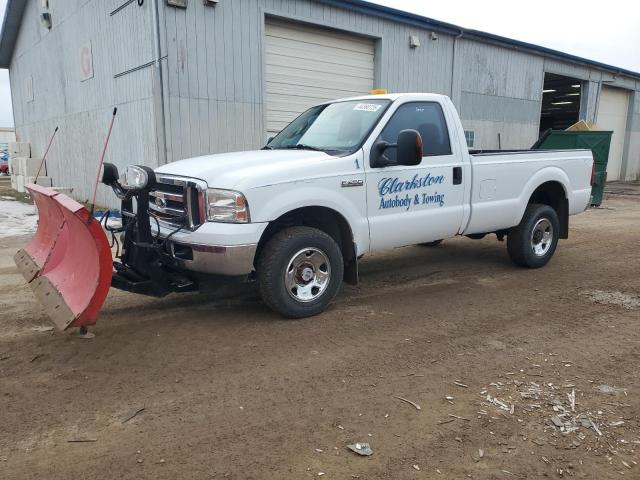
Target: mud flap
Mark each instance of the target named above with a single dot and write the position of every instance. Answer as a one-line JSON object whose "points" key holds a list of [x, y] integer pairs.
{"points": [[68, 262]]}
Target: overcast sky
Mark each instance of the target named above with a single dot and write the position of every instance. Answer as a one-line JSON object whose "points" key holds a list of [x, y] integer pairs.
{"points": [[606, 31]]}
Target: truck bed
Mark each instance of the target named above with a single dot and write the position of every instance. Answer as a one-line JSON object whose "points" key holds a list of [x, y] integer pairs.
{"points": [[504, 180]]}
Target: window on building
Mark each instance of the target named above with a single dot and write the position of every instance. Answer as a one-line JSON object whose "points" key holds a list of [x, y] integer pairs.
{"points": [[470, 137]]}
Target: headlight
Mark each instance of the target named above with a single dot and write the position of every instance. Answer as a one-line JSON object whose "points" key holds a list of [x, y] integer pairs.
{"points": [[226, 206], [137, 178]]}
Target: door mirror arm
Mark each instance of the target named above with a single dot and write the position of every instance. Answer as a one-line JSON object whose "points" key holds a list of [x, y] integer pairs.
{"points": [[378, 160]]}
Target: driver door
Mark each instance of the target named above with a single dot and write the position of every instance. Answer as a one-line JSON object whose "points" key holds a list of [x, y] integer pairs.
{"points": [[407, 205]]}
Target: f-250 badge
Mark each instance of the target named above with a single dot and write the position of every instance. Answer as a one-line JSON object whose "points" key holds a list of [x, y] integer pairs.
{"points": [[352, 183]]}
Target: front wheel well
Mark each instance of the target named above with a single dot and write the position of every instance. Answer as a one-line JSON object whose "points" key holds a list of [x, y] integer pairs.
{"points": [[322, 218], [553, 194]]}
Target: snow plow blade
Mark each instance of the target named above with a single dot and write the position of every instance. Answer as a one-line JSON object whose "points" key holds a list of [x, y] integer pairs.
{"points": [[68, 262]]}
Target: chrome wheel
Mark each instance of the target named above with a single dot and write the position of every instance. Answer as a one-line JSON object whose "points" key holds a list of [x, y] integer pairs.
{"points": [[541, 237], [307, 274]]}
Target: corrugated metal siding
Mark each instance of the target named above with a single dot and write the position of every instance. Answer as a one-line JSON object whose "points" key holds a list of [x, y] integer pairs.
{"points": [[82, 109], [497, 88], [478, 106], [500, 94], [589, 101], [229, 40], [500, 72], [213, 73], [214, 79]]}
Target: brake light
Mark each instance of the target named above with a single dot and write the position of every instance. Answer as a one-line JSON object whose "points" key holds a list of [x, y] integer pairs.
{"points": [[593, 173]]}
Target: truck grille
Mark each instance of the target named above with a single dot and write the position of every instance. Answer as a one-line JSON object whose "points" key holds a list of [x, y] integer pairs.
{"points": [[178, 202]]}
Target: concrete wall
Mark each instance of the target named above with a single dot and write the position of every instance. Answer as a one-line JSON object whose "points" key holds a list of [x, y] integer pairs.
{"points": [[7, 135], [82, 109]]}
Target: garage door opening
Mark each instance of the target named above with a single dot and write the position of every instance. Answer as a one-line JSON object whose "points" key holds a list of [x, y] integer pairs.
{"points": [[612, 115], [560, 102], [306, 65]]}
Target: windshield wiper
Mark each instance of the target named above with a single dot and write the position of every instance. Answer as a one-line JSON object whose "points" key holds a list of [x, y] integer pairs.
{"points": [[302, 146]]}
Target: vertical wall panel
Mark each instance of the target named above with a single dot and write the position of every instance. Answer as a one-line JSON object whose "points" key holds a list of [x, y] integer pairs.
{"points": [[500, 94], [82, 109], [224, 50]]}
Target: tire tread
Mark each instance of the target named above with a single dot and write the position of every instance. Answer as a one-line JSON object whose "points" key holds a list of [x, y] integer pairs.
{"points": [[518, 238], [269, 269]]}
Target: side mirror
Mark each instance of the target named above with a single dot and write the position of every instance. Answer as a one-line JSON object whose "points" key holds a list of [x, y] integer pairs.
{"points": [[409, 147]]}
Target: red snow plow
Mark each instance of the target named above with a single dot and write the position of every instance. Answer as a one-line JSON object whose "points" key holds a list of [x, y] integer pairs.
{"points": [[68, 262]]}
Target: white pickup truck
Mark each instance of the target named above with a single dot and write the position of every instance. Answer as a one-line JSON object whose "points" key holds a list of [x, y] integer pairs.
{"points": [[344, 179]]}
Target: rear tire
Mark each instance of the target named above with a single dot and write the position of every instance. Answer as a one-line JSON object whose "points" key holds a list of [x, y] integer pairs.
{"points": [[533, 242], [300, 272]]}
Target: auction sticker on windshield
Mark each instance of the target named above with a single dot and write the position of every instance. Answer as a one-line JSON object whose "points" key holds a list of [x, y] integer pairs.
{"points": [[367, 107]]}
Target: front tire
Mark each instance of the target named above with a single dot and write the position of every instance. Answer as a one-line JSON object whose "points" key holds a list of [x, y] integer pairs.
{"points": [[533, 242], [300, 271]]}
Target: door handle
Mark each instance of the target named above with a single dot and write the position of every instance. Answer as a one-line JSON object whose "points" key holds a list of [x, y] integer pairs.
{"points": [[457, 175]]}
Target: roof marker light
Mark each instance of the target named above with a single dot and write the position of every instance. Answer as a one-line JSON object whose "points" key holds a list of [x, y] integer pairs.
{"points": [[378, 91]]}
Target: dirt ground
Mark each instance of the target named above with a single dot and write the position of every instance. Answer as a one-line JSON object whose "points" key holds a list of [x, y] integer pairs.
{"points": [[490, 353]]}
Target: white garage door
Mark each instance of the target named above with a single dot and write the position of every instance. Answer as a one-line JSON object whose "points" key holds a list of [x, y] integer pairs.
{"points": [[308, 65], [612, 115]]}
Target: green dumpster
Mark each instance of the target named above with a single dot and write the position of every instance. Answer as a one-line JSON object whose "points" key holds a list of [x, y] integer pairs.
{"points": [[597, 141]]}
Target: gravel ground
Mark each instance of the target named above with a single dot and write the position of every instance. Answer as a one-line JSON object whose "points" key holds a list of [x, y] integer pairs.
{"points": [[518, 373]]}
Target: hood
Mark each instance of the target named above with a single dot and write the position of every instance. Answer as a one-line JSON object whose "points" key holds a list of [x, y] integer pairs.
{"points": [[243, 170]]}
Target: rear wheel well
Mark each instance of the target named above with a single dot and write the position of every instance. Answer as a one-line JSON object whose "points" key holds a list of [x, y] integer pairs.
{"points": [[322, 218], [553, 194]]}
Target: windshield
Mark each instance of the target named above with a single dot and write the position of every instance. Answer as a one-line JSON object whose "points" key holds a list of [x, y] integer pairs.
{"points": [[340, 126]]}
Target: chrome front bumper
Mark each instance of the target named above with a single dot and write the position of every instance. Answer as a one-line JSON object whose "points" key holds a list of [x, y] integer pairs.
{"points": [[232, 260], [215, 248]]}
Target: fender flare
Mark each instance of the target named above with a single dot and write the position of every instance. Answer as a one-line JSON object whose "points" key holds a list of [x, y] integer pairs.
{"points": [[547, 174], [314, 196]]}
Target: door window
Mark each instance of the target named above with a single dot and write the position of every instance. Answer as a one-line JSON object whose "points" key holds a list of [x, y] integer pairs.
{"points": [[425, 117]]}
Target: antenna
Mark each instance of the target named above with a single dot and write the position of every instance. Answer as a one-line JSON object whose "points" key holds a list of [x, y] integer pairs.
{"points": [[104, 152], [44, 157]]}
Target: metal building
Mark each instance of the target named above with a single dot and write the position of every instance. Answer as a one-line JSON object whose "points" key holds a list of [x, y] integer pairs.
{"points": [[192, 77]]}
